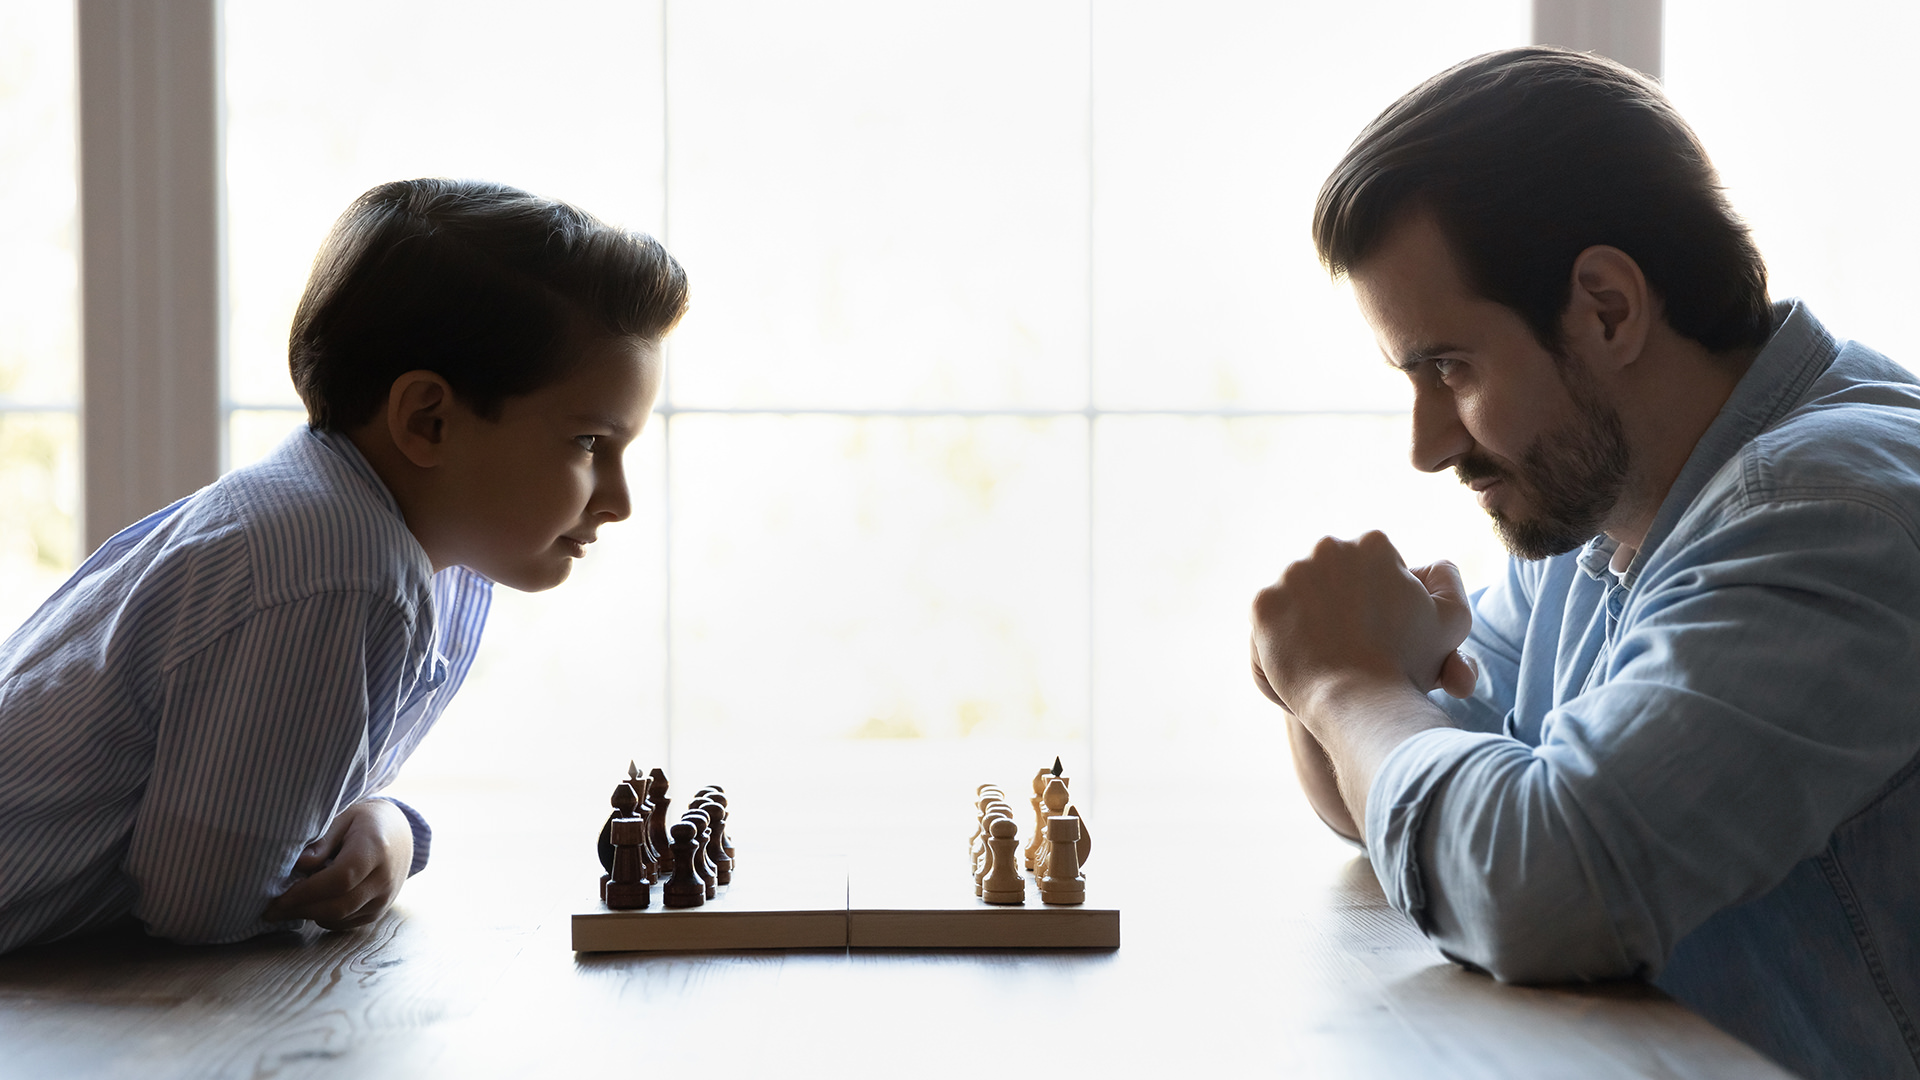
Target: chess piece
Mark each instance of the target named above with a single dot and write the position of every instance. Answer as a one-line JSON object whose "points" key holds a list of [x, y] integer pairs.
{"points": [[719, 794], [684, 889], [716, 848], [626, 888], [643, 788], [1039, 813], [657, 827], [1003, 883], [995, 812], [623, 803], [698, 818], [1084, 846], [984, 796], [1053, 803], [709, 827], [1063, 883]]}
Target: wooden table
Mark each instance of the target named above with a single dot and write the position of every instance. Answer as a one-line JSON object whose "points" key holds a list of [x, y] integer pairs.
{"points": [[1294, 967]]}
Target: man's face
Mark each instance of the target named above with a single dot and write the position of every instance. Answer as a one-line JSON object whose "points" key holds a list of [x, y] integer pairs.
{"points": [[531, 489], [1533, 436]]}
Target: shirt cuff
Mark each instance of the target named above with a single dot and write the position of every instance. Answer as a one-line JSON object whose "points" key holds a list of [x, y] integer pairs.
{"points": [[422, 834], [1397, 804]]}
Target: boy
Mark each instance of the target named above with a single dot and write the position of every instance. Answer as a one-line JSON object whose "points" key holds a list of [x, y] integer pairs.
{"points": [[203, 714]]}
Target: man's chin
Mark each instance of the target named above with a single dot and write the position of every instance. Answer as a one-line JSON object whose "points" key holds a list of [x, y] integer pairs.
{"points": [[1536, 540]]}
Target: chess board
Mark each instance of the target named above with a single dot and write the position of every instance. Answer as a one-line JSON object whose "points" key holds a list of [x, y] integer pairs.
{"points": [[824, 904]]}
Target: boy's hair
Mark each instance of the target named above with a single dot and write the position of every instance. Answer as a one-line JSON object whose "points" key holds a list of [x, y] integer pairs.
{"points": [[1529, 156], [488, 286]]}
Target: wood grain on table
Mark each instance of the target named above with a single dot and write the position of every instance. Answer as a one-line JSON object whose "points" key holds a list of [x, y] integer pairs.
{"points": [[1296, 968]]}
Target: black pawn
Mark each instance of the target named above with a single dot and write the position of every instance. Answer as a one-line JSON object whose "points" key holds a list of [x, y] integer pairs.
{"points": [[684, 889], [716, 850], [704, 866]]}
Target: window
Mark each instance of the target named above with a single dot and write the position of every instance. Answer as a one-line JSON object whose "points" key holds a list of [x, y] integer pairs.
{"points": [[39, 319], [1010, 372], [995, 307]]}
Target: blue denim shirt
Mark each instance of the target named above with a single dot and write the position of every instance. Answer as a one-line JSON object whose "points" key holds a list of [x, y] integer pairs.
{"points": [[1702, 771]]}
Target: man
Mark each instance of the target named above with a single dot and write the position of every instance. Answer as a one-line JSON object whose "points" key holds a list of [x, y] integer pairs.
{"points": [[1678, 739]]}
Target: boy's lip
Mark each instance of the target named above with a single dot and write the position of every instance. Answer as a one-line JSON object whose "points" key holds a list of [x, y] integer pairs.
{"points": [[576, 546]]}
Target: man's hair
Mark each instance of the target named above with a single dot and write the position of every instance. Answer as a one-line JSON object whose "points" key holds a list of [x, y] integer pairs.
{"points": [[492, 288], [1529, 156]]}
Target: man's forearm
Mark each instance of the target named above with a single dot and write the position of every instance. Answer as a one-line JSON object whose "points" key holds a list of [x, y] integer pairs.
{"points": [[1315, 770], [1356, 726]]}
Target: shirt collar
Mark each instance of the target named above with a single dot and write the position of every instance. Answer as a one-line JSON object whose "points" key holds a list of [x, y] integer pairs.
{"points": [[338, 444], [1596, 559], [1799, 351]]}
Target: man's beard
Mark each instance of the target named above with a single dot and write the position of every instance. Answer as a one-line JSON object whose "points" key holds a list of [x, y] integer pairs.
{"points": [[1571, 476]]}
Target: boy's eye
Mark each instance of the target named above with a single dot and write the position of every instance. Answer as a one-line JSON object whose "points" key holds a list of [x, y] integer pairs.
{"points": [[1444, 366], [586, 442]]}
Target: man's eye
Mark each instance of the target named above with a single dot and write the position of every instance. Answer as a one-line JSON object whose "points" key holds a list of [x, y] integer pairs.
{"points": [[1444, 366], [587, 442]]}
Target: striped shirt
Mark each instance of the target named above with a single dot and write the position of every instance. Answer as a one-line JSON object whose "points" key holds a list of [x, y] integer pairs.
{"points": [[210, 689]]}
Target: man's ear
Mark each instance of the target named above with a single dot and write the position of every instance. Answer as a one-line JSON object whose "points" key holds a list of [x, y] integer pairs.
{"points": [[1611, 310], [417, 413]]}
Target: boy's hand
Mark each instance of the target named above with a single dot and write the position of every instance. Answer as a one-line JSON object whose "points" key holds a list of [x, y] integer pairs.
{"points": [[354, 872]]}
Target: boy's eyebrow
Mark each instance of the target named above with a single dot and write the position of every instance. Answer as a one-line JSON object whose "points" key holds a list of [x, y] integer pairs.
{"points": [[1418, 352], [619, 429]]}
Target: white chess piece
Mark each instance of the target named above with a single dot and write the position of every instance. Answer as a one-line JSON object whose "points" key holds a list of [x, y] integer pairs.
{"points": [[1003, 883], [1063, 883]]}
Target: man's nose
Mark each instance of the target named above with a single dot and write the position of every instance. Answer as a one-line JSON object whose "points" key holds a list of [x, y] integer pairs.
{"points": [[1439, 438]]}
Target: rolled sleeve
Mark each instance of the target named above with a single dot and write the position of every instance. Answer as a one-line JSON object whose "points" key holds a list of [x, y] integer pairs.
{"points": [[1406, 786], [422, 834], [1758, 691]]}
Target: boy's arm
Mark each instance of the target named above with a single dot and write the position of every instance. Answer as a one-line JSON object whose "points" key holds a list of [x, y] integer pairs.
{"points": [[262, 737], [354, 872]]}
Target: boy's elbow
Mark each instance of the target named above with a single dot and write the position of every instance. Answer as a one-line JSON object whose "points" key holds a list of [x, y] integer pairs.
{"points": [[206, 921]]}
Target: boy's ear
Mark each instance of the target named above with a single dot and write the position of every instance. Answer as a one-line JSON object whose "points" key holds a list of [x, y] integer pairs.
{"points": [[417, 408]]}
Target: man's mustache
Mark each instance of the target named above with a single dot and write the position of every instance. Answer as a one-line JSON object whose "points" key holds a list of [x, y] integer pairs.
{"points": [[1469, 469]]}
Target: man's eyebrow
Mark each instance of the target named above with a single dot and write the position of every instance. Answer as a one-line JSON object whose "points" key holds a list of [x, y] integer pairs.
{"points": [[1412, 356]]}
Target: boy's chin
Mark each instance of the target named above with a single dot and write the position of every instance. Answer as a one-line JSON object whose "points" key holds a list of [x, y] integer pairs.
{"points": [[537, 578]]}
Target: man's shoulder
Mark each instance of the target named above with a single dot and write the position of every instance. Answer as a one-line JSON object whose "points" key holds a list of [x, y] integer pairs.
{"points": [[1854, 434], [313, 518]]}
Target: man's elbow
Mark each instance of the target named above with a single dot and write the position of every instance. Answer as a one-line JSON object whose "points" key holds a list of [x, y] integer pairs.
{"points": [[1521, 939]]}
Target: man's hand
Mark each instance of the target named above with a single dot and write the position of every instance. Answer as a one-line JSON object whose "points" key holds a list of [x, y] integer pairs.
{"points": [[1352, 614], [1348, 642], [354, 872]]}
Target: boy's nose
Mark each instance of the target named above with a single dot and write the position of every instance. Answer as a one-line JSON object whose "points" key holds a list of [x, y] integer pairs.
{"points": [[1439, 438], [611, 501]]}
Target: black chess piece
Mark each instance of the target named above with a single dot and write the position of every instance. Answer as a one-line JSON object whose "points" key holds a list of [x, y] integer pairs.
{"points": [[717, 842], [657, 826], [684, 889], [626, 885], [704, 826], [623, 801]]}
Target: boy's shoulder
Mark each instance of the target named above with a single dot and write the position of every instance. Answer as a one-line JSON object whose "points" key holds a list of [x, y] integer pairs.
{"points": [[313, 517]]}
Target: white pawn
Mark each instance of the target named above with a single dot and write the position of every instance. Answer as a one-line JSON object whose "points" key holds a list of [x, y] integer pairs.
{"points": [[984, 864], [1003, 883], [1063, 883]]}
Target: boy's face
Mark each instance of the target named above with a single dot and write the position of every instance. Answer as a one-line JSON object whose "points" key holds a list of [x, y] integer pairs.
{"points": [[524, 494]]}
